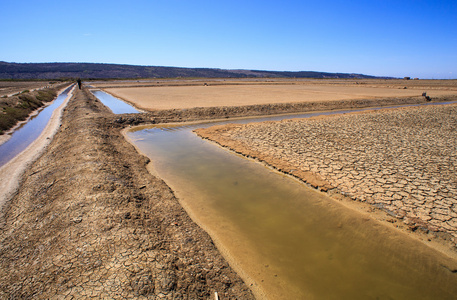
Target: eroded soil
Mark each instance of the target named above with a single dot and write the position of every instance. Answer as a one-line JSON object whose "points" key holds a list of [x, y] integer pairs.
{"points": [[90, 221]]}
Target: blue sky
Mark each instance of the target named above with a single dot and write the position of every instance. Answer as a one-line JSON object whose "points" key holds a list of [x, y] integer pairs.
{"points": [[377, 37]]}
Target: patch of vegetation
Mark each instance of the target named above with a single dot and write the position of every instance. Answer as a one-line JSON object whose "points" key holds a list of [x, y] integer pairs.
{"points": [[18, 107], [12, 115], [46, 95]]}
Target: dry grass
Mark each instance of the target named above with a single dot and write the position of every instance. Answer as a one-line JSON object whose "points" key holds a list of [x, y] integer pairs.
{"points": [[11, 87]]}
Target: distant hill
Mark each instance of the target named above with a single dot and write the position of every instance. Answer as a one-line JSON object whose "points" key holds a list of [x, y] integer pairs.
{"points": [[113, 71]]}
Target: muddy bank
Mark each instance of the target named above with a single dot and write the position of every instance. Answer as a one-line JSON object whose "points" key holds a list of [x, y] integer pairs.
{"points": [[89, 221], [211, 113], [399, 160]]}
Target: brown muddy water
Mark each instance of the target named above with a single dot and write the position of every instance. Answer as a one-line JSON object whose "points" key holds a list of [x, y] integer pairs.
{"points": [[287, 240]]}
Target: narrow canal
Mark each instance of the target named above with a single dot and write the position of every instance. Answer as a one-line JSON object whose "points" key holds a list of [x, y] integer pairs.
{"points": [[115, 105], [287, 240], [22, 137]]}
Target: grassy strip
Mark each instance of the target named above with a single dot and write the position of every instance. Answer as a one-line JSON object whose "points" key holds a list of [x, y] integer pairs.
{"points": [[19, 106]]}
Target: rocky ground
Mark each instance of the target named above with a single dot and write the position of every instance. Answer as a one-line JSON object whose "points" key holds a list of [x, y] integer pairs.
{"points": [[401, 160], [89, 221]]}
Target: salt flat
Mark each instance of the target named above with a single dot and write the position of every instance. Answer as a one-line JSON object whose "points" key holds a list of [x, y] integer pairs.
{"points": [[212, 94]]}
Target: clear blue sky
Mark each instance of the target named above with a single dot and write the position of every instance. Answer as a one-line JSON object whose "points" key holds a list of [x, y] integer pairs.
{"points": [[414, 38]]}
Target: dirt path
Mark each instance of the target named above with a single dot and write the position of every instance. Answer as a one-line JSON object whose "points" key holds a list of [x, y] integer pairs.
{"points": [[90, 221]]}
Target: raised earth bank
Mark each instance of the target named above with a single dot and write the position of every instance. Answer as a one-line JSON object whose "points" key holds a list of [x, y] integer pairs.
{"points": [[89, 221], [209, 113], [19, 107]]}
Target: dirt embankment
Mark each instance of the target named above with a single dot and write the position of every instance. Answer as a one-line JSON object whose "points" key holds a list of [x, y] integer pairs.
{"points": [[90, 221], [223, 112]]}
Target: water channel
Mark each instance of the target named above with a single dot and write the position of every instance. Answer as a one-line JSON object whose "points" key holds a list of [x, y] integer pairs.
{"points": [[115, 105], [25, 134], [290, 240]]}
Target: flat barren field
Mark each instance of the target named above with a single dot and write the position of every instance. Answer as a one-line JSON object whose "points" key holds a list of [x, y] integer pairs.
{"points": [[159, 95], [12, 87]]}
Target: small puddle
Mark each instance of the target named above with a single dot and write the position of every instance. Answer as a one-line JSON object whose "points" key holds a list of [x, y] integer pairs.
{"points": [[116, 105], [292, 241], [25, 134]]}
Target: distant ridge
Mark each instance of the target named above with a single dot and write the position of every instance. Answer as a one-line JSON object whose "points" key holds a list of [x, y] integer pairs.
{"points": [[117, 71]]}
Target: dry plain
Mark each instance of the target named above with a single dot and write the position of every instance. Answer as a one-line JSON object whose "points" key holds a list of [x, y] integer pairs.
{"points": [[161, 95], [12, 87]]}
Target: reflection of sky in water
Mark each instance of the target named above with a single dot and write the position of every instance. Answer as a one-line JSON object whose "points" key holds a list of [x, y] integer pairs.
{"points": [[117, 106], [28, 132]]}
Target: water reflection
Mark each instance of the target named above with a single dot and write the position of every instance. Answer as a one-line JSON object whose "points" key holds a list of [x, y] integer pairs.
{"points": [[116, 105], [25, 134]]}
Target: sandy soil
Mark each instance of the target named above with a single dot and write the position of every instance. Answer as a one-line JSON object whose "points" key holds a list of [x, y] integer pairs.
{"points": [[157, 98], [184, 94]]}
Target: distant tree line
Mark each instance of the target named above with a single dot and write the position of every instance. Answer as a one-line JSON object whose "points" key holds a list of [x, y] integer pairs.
{"points": [[115, 71]]}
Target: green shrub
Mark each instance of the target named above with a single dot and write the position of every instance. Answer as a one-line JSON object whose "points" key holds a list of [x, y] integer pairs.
{"points": [[17, 113], [7, 121], [34, 102], [46, 95]]}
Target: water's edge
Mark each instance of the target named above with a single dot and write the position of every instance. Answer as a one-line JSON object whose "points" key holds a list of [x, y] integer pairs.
{"points": [[159, 169], [11, 171], [28, 131]]}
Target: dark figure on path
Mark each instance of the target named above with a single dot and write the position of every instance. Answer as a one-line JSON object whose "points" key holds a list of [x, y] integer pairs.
{"points": [[79, 83]]}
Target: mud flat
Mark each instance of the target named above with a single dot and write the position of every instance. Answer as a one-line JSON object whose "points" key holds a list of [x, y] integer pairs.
{"points": [[89, 221], [402, 161], [185, 97]]}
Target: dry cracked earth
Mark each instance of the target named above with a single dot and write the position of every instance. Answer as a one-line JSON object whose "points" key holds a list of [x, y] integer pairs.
{"points": [[401, 160]]}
